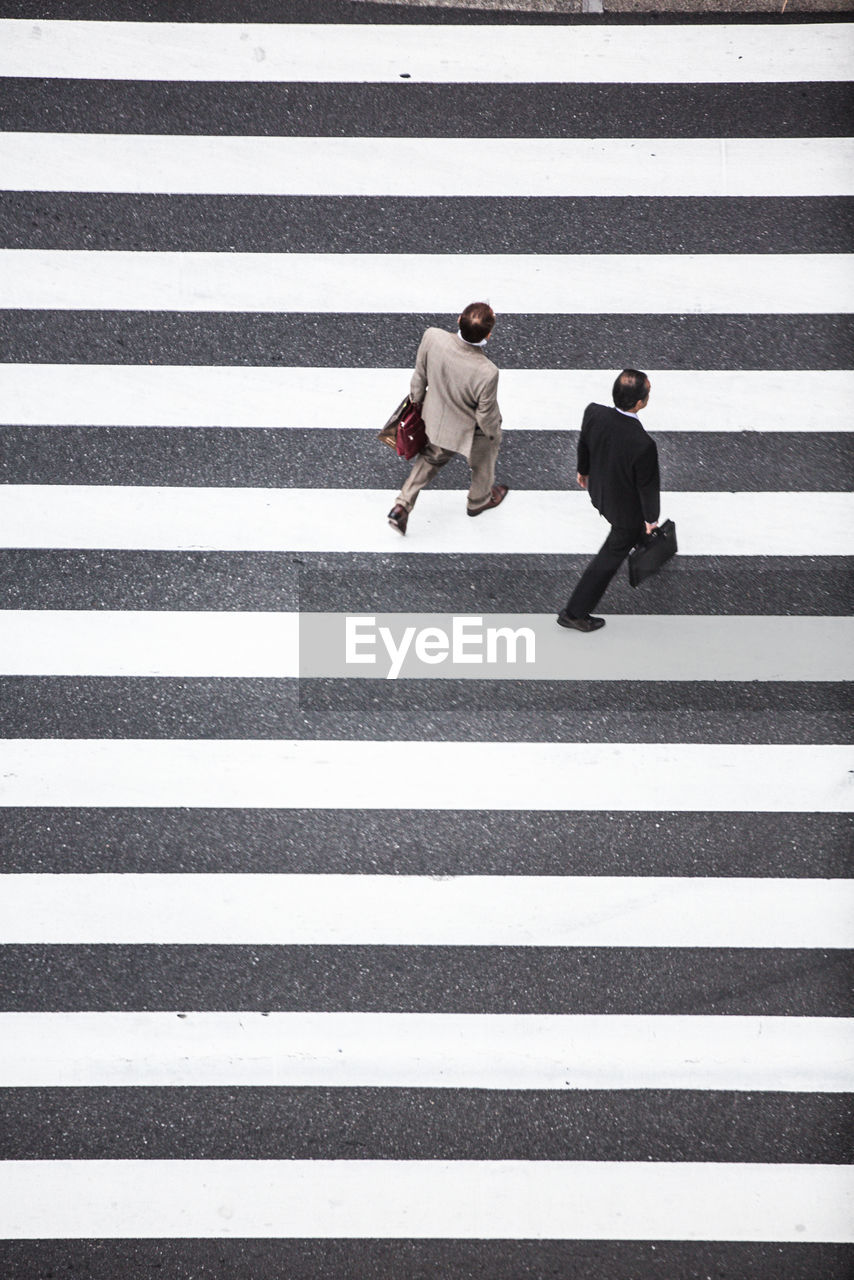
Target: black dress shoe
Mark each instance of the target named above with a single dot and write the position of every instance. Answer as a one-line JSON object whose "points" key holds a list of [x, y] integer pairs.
{"points": [[398, 517], [580, 624]]}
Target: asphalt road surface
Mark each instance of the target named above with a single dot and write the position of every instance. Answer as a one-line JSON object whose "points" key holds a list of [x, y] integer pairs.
{"points": [[493, 972]]}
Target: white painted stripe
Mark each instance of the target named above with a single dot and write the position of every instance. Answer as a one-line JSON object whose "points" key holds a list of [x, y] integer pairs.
{"points": [[320, 398], [169, 164], [141, 643], [427, 1050], [103, 642], [472, 911], [444, 1199], [439, 54], [311, 774], [529, 521], [401, 283]]}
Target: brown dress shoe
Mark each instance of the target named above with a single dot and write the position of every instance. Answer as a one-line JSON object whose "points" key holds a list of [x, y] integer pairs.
{"points": [[398, 517], [499, 493]]}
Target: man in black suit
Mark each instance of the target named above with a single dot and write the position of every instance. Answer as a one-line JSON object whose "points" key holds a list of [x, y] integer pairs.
{"points": [[618, 465]]}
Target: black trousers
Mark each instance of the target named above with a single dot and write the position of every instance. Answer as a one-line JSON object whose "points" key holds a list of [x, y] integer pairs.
{"points": [[593, 582]]}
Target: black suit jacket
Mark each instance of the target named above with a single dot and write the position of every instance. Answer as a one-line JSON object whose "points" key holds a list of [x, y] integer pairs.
{"points": [[621, 461]]}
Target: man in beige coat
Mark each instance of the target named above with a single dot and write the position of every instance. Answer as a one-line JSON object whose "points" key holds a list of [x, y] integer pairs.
{"points": [[456, 385]]}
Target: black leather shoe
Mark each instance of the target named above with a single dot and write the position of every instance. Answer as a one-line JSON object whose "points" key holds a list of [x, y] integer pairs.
{"points": [[580, 624], [398, 517]]}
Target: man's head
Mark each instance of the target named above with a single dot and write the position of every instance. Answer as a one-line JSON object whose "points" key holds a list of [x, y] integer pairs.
{"points": [[631, 390], [476, 321]]}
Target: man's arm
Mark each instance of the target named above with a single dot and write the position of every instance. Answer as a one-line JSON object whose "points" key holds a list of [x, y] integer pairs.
{"points": [[418, 382], [582, 460], [648, 485], [487, 414]]}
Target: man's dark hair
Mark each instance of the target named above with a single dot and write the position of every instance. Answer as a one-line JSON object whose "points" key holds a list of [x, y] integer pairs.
{"points": [[629, 388], [476, 321]]}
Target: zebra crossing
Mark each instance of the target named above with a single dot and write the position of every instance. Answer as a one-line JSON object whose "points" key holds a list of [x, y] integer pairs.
{"points": [[386, 283], [518, 910], [379, 166], [459, 976], [542, 521], [206, 643], [181, 396]]}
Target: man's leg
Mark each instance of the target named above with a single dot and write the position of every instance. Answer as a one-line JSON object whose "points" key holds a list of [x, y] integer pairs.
{"points": [[484, 454], [596, 577], [424, 468]]}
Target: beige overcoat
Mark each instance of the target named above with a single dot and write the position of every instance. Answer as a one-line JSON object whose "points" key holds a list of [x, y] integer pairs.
{"points": [[458, 385]]}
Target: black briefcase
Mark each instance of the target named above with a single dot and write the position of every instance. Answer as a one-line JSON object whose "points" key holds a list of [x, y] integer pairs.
{"points": [[655, 550]]}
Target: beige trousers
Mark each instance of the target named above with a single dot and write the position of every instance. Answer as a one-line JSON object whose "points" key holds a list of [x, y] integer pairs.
{"points": [[484, 454]]}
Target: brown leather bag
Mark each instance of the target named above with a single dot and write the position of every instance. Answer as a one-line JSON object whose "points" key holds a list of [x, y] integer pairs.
{"points": [[404, 430]]}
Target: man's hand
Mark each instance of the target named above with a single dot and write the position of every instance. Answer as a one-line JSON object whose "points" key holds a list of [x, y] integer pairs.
{"points": [[582, 480], [650, 527]]}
